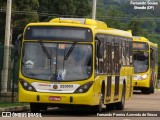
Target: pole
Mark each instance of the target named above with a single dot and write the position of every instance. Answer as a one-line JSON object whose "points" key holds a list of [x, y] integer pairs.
{"points": [[94, 9], [6, 47]]}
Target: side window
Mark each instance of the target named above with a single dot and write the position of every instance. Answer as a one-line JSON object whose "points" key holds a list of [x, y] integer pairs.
{"points": [[152, 57], [96, 58], [151, 54], [105, 56], [127, 53], [131, 53], [108, 54], [108, 58], [113, 57], [117, 58], [101, 60], [156, 57], [123, 53]]}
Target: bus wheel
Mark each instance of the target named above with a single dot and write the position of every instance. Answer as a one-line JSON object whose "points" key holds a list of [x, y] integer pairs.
{"points": [[151, 87], [110, 106], [98, 108], [145, 90], [36, 107], [152, 90], [120, 105]]}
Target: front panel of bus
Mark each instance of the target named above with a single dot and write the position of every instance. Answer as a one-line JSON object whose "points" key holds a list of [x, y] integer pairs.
{"points": [[141, 57], [57, 65]]}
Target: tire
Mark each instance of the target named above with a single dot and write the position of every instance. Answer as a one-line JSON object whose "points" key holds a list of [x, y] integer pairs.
{"points": [[36, 107], [148, 90], [110, 106], [145, 90], [120, 105], [152, 84], [152, 90], [98, 108], [151, 87]]}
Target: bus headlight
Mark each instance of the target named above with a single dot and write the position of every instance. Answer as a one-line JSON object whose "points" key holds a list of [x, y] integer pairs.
{"points": [[84, 88], [144, 76], [27, 86]]}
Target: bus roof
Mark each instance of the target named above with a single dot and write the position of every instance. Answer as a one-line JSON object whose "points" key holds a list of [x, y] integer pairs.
{"points": [[85, 21], [143, 39], [98, 26]]}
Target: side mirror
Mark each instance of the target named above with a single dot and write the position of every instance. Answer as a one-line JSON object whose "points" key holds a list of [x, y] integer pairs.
{"points": [[19, 38], [18, 43]]}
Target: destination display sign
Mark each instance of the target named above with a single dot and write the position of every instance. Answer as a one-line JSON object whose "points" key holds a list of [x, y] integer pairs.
{"points": [[56, 33], [140, 46]]}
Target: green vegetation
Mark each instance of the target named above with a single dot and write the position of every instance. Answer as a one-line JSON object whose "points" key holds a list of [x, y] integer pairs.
{"points": [[10, 104], [118, 14], [26, 11]]}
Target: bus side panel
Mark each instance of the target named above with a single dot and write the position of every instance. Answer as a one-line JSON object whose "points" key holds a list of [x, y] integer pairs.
{"points": [[129, 89], [127, 77]]}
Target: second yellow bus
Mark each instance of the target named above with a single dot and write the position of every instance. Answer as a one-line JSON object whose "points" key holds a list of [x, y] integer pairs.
{"points": [[145, 65]]}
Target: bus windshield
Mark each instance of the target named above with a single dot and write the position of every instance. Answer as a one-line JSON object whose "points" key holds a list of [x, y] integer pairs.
{"points": [[48, 61], [141, 61]]}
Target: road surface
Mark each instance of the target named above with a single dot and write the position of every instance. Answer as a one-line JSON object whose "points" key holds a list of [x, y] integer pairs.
{"points": [[140, 105]]}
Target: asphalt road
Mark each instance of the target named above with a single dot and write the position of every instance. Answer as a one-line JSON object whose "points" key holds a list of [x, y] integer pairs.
{"points": [[140, 107]]}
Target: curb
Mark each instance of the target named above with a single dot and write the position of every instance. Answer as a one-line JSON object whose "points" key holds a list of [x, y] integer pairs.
{"points": [[157, 89], [15, 109]]}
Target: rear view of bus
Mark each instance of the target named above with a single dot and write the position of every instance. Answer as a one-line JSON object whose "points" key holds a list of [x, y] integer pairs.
{"points": [[145, 65]]}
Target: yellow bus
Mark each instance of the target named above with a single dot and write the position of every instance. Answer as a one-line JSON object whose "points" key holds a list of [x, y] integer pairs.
{"points": [[145, 55], [75, 62]]}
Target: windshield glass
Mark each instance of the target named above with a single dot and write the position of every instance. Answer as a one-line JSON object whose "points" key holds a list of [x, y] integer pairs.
{"points": [[141, 61], [48, 61]]}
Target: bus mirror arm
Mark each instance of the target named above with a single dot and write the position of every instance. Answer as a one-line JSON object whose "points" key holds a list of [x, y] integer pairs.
{"points": [[18, 43]]}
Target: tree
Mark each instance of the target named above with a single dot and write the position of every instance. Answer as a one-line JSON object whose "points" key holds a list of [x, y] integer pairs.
{"points": [[83, 8], [63, 8], [24, 12], [2, 20], [112, 18], [135, 26]]}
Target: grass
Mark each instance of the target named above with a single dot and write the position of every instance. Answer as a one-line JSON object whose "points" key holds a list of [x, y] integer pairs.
{"points": [[4, 104]]}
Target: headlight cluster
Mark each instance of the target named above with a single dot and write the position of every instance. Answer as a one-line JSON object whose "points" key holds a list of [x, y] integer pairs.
{"points": [[27, 86], [84, 88], [144, 76]]}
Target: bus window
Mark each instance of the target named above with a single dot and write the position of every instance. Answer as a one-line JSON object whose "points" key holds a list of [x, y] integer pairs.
{"points": [[127, 53], [123, 53], [141, 61], [152, 54]]}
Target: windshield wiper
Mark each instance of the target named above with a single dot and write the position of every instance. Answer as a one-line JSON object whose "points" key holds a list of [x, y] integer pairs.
{"points": [[45, 50], [70, 51]]}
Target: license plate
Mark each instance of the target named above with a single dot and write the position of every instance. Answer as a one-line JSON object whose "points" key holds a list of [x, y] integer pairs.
{"points": [[54, 98]]}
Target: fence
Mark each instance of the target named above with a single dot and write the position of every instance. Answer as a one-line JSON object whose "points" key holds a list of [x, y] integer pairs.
{"points": [[12, 83]]}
